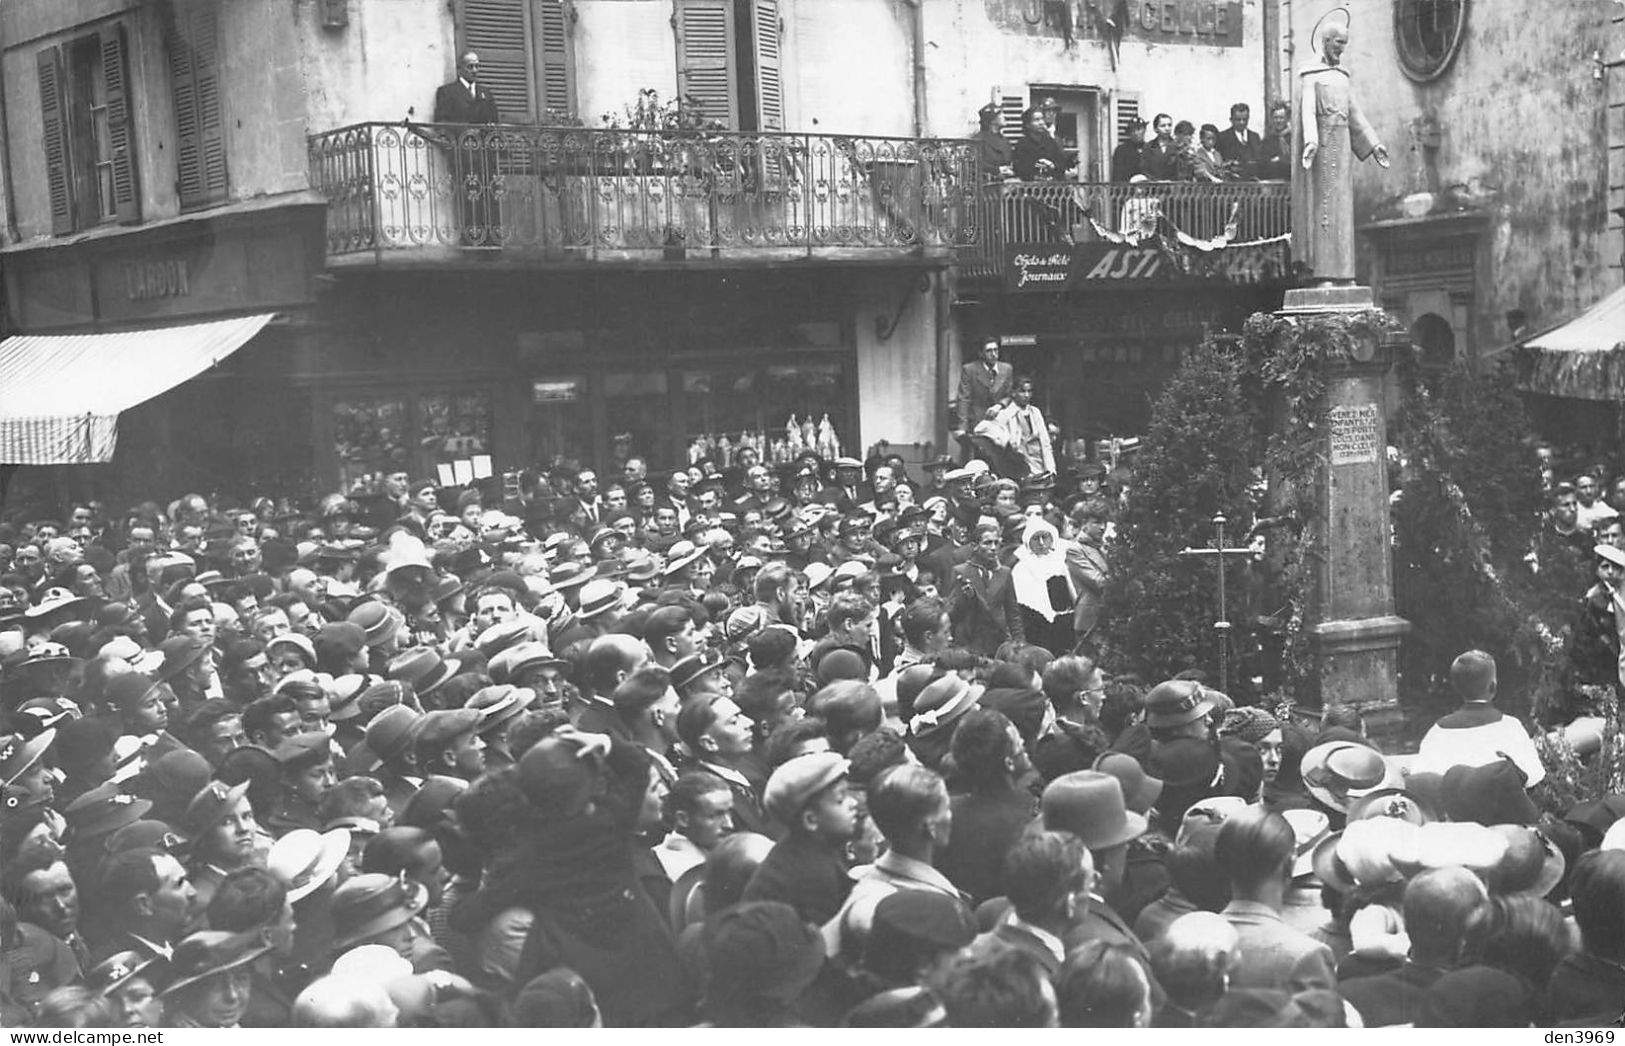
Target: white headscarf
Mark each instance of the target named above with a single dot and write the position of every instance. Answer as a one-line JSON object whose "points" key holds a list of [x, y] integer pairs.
{"points": [[1032, 571]]}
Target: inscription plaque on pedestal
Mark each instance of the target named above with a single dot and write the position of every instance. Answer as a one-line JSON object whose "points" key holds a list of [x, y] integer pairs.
{"points": [[1353, 434]]}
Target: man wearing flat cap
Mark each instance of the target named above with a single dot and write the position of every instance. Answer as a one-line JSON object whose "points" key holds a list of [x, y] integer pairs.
{"points": [[806, 869], [448, 743]]}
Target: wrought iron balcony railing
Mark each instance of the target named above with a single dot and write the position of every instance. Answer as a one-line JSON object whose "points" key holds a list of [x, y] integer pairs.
{"points": [[1012, 213], [570, 192]]}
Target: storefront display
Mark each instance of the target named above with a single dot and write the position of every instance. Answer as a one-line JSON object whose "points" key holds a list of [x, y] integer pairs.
{"points": [[799, 437], [375, 436]]}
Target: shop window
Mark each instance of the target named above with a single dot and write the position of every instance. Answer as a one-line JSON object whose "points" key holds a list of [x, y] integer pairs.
{"points": [[89, 143], [1428, 34], [526, 59], [636, 405], [376, 435], [727, 405], [193, 41], [728, 61], [560, 430]]}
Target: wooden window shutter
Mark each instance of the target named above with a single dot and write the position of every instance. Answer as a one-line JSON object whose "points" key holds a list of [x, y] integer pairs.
{"points": [[1011, 106], [200, 148], [706, 70], [53, 110], [120, 135], [1125, 110], [500, 31], [556, 64], [769, 101]]}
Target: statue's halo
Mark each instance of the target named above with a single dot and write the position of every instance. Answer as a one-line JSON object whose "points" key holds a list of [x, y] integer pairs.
{"points": [[1337, 17]]}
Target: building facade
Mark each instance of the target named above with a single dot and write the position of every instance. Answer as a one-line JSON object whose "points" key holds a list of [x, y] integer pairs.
{"points": [[1495, 216], [546, 289], [599, 274], [1101, 338]]}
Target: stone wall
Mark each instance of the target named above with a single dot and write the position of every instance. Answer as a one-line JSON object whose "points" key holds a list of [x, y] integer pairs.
{"points": [[1521, 139]]}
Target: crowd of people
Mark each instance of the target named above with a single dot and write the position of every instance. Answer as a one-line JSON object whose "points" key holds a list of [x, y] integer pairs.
{"points": [[813, 744], [1175, 152]]}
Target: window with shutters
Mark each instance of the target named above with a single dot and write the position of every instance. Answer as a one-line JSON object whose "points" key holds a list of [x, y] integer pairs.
{"points": [[729, 62], [1126, 114], [526, 56], [89, 142], [193, 39]]}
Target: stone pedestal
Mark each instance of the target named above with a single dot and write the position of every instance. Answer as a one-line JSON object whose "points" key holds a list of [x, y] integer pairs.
{"points": [[1355, 631]]}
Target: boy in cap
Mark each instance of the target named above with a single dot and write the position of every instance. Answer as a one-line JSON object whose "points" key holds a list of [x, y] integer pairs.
{"points": [[807, 869]]}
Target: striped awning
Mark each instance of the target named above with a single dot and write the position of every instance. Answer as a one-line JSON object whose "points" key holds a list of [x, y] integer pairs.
{"points": [[1582, 359], [61, 394]]}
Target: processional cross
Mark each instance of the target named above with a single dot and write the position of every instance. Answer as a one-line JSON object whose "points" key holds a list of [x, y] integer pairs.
{"points": [[1221, 626]]}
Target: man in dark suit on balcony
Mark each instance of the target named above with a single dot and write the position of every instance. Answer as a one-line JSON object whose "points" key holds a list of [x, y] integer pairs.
{"points": [[466, 101], [1238, 145]]}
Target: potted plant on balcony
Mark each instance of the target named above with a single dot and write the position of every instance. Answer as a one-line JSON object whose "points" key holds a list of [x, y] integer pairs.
{"points": [[670, 138], [675, 152]]}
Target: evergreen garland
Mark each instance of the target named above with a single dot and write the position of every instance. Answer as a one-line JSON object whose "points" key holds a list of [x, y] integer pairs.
{"points": [[1195, 463], [1465, 522]]}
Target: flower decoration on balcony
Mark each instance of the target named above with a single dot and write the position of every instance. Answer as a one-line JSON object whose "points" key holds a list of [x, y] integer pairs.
{"points": [[684, 113]]}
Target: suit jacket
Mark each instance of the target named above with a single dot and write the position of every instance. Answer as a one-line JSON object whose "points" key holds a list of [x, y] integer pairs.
{"points": [[1030, 148], [1583, 987], [1236, 150], [983, 610], [453, 104], [1275, 157], [993, 151], [979, 390], [1159, 160], [1126, 160], [1273, 955], [1087, 565], [586, 516], [849, 930], [808, 877], [1021, 939], [599, 717], [983, 830], [1102, 923], [841, 500], [1392, 998]]}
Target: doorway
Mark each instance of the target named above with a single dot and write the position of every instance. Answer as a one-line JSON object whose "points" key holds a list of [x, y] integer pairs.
{"points": [[1077, 127]]}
